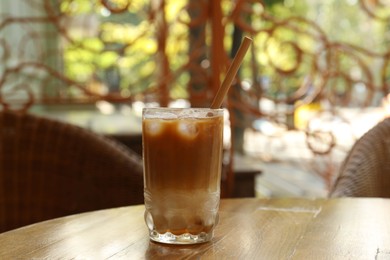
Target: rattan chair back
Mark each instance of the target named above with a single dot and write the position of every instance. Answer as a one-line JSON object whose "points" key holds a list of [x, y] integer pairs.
{"points": [[50, 169], [366, 170]]}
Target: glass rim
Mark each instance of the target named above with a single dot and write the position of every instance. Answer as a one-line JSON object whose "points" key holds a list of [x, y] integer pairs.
{"points": [[160, 112], [180, 109]]}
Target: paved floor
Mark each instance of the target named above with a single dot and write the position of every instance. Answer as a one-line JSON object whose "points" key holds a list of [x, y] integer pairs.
{"points": [[289, 168], [287, 171], [289, 180]]}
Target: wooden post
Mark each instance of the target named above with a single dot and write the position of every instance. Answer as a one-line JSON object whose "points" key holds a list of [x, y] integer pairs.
{"points": [[217, 49]]}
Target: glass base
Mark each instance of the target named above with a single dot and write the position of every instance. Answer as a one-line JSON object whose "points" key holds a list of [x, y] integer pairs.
{"points": [[183, 239]]}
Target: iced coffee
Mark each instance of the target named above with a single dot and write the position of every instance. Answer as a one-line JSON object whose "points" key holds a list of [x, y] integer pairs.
{"points": [[182, 150]]}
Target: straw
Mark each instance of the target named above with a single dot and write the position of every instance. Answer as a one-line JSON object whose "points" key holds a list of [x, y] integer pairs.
{"points": [[231, 73]]}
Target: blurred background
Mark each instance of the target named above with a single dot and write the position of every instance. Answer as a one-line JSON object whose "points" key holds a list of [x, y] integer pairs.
{"points": [[316, 78]]}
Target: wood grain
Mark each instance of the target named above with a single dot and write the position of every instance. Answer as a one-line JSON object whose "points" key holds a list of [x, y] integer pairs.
{"points": [[348, 228]]}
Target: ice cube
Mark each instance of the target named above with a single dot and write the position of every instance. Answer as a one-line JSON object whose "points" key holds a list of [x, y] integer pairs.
{"points": [[177, 224], [188, 129], [153, 127], [195, 224], [160, 223]]}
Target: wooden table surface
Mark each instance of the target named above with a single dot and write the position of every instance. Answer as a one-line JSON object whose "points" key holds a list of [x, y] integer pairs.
{"points": [[347, 228]]}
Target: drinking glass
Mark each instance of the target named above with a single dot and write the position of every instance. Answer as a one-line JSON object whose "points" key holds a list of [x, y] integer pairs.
{"points": [[182, 151]]}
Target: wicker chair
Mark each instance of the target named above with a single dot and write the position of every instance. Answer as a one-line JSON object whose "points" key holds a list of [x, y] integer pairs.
{"points": [[50, 169], [366, 170]]}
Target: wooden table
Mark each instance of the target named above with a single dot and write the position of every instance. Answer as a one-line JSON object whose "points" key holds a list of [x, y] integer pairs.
{"points": [[248, 229]]}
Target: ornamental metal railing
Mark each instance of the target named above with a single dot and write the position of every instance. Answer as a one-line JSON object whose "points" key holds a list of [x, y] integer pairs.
{"points": [[73, 51]]}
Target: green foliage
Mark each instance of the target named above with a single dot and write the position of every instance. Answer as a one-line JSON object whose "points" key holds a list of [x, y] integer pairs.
{"points": [[270, 3], [93, 44], [127, 41]]}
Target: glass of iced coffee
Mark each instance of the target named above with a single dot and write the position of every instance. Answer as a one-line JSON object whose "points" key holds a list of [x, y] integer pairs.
{"points": [[182, 151]]}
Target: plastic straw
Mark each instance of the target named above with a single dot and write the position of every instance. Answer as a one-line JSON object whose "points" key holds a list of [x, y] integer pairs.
{"points": [[231, 73]]}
